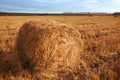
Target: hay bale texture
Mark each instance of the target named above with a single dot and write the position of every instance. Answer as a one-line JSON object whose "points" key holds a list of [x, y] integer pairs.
{"points": [[49, 47]]}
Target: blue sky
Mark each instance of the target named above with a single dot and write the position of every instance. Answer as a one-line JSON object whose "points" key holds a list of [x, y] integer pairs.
{"points": [[45, 6]]}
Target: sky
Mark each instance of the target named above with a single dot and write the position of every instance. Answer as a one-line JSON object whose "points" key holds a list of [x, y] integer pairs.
{"points": [[57, 6]]}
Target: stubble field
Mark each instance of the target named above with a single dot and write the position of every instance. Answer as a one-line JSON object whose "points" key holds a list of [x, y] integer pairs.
{"points": [[101, 48]]}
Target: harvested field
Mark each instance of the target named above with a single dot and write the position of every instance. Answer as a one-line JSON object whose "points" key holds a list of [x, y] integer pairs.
{"points": [[100, 58]]}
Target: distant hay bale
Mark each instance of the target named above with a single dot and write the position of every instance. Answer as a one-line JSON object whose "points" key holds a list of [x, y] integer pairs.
{"points": [[49, 47]]}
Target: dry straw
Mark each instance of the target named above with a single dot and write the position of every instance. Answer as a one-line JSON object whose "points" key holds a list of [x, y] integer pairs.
{"points": [[9, 63], [49, 48]]}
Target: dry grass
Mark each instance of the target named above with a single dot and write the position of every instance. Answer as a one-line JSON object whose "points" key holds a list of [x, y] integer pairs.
{"points": [[9, 63], [101, 53]]}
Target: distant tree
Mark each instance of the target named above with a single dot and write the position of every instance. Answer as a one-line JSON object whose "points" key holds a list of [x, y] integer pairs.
{"points": [[116, 14]]}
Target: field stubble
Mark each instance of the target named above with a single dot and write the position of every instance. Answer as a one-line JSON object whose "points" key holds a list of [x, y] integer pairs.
{"points": [[101, 54]]}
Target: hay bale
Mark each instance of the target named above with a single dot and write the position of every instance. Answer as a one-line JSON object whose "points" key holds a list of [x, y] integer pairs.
{"points": [[49, 47]]}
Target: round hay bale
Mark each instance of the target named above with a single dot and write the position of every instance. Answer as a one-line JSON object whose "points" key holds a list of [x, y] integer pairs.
{"points": [[49, 47]]}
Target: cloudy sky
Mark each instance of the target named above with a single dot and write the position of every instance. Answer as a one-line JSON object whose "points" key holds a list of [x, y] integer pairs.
{"points": [[44, 6]]}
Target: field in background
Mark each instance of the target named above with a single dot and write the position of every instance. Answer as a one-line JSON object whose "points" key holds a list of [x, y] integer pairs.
{"points": [[101, 36]]}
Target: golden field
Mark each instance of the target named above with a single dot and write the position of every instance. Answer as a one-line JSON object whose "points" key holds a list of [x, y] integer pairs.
{"points": [[101, 50]]}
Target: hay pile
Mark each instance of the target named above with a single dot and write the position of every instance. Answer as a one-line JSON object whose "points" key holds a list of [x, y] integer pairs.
{"points": [[49, 49]]}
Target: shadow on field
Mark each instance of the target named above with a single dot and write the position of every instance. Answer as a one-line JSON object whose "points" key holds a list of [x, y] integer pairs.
{"points": [[9, 63]]}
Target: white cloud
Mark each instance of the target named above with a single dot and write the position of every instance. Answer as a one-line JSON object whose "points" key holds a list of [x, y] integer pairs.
{"points": [[92, 1], [45, 1], [112, 1], [118, 1]]}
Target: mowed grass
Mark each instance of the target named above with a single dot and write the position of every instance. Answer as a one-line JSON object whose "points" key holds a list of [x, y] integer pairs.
{"points": [[101, 36]]}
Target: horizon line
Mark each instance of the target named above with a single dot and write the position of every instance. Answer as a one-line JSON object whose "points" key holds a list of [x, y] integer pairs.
{"points": [[58, 12]]}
